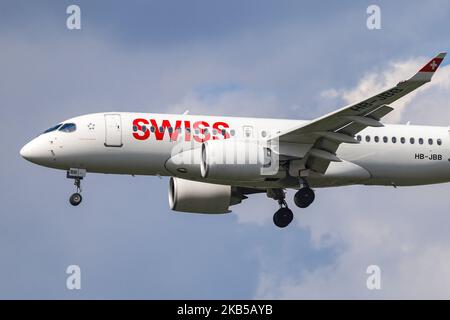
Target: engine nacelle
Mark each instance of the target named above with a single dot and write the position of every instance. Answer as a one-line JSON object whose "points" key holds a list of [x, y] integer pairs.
{"points": [[201, 197], [236, 160]]}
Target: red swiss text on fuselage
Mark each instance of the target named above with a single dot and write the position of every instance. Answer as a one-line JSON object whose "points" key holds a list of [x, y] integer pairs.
{"points": [[198, 130]]}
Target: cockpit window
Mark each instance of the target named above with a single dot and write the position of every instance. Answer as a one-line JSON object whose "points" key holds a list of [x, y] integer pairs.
{"points": [[68, 127], [53, 128]]}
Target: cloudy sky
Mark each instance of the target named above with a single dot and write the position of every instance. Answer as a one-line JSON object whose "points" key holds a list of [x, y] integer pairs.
{"points": [[284, 59]]}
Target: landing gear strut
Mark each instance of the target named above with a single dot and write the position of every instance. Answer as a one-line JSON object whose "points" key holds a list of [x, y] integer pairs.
{"points": [[76, 174], [284, 216], [305, 196]]}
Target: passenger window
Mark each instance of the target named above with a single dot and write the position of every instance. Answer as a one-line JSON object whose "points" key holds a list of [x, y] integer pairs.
{"points": [[358, 137], [420, 141], [232, 132], [402, 140], [385, 139], [134, 128], [68, 127], [53, 128], [152, 129], [263, 134], [430, 141], [411, 140], [439, 142], [144, 128], [368, 138], [376, 138], [394, 139]]}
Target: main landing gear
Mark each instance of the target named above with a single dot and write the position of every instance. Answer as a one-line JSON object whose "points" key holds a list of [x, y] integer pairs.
{"points": [[76, 174], [305, 196], [284, 216]]}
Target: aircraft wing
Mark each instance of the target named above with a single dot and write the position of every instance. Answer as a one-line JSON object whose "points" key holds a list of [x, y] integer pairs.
{"points": [[329, 131]]}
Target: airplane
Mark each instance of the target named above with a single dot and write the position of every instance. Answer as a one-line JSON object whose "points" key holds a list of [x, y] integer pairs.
{"points": [[349, 146]]}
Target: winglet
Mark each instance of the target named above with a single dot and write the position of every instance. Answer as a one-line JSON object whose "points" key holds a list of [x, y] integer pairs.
{"points": [[426, 73]]}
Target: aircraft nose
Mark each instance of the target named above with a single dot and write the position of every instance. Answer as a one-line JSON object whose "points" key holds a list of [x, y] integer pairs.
{"points": [[34, 152], [26, 151]]}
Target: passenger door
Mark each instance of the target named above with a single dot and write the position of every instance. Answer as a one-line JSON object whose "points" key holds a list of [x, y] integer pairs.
{"points": [[113, 130]]}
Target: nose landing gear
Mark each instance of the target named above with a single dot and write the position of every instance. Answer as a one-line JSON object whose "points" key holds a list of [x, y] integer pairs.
{"points": [[76, 198], [76, 174]]}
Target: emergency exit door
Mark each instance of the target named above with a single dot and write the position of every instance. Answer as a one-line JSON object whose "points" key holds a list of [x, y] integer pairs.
{"points": [[113, 133]]}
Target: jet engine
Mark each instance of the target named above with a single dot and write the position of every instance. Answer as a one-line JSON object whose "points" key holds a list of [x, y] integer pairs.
{"points": [[201, 197]]}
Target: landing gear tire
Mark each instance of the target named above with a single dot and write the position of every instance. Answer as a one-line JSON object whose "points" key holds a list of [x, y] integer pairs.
{"points": [[75, 199], [283, 217], [304, 197]]}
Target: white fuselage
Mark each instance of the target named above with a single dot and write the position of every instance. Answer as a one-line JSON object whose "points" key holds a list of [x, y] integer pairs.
{"points": [[120, 143]]}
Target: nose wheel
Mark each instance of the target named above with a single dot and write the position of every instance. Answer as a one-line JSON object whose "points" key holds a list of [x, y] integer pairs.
{"points": [[76, 198], [77, 175]]}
